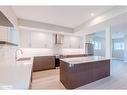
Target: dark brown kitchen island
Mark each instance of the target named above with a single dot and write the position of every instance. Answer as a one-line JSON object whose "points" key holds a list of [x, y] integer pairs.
{"points": [[76, 72]]}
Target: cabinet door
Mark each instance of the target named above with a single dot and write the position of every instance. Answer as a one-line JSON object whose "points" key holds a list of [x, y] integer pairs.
{"points": [[71, 42], [12, 35], [3, 33], [8, 34], [43, 63], [75, 42], [24, 37], [66, 42], [41, 40]]}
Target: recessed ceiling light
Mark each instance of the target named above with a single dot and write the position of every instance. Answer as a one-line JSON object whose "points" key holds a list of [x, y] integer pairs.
{"points": [[92, 14]]}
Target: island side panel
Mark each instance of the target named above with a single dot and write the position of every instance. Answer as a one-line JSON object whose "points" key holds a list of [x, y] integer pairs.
{"points": [[64, 73], [76, 75], [101, 69], [80, 74]]}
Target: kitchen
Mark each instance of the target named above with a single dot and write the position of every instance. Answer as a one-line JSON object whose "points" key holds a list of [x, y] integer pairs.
{"points": [[36, 47]]}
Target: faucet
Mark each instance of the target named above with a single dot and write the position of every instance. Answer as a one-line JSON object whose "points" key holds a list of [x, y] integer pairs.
{"points": [[16, 58]]}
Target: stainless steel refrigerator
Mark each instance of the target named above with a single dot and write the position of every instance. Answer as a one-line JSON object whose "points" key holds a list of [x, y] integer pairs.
{"points": [[89, 49]]}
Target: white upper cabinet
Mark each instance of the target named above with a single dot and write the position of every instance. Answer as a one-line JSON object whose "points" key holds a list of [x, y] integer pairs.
{"points": [[8, 34], [24, 38], [72, 42], [4, 31], [12, 35], [30, 39], [7, 31], [34, 39], [42, 40]]}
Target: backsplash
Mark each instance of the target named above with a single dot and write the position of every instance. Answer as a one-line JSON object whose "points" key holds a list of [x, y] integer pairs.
{"points": [[70, 51], [31, 52], [7, 54]]}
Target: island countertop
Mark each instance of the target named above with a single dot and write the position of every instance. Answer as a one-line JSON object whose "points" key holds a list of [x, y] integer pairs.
{"points": [[80, 60]]}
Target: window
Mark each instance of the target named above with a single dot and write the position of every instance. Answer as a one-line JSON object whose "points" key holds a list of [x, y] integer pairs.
{"points": [[118, 46], [97, 45]]}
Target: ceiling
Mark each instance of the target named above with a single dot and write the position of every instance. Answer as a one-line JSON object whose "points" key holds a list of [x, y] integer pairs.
{"points": [[67, 16]]}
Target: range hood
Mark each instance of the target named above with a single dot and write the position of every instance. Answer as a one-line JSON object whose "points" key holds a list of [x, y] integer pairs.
{"points": [[4, 21], [59, 39]]}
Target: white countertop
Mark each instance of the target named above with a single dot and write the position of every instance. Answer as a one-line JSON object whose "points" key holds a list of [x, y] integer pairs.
{"points": [[15, 75], [80, 60]]}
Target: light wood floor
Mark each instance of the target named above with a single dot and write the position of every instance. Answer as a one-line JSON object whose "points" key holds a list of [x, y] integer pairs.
{"points": [[49, 79]]}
